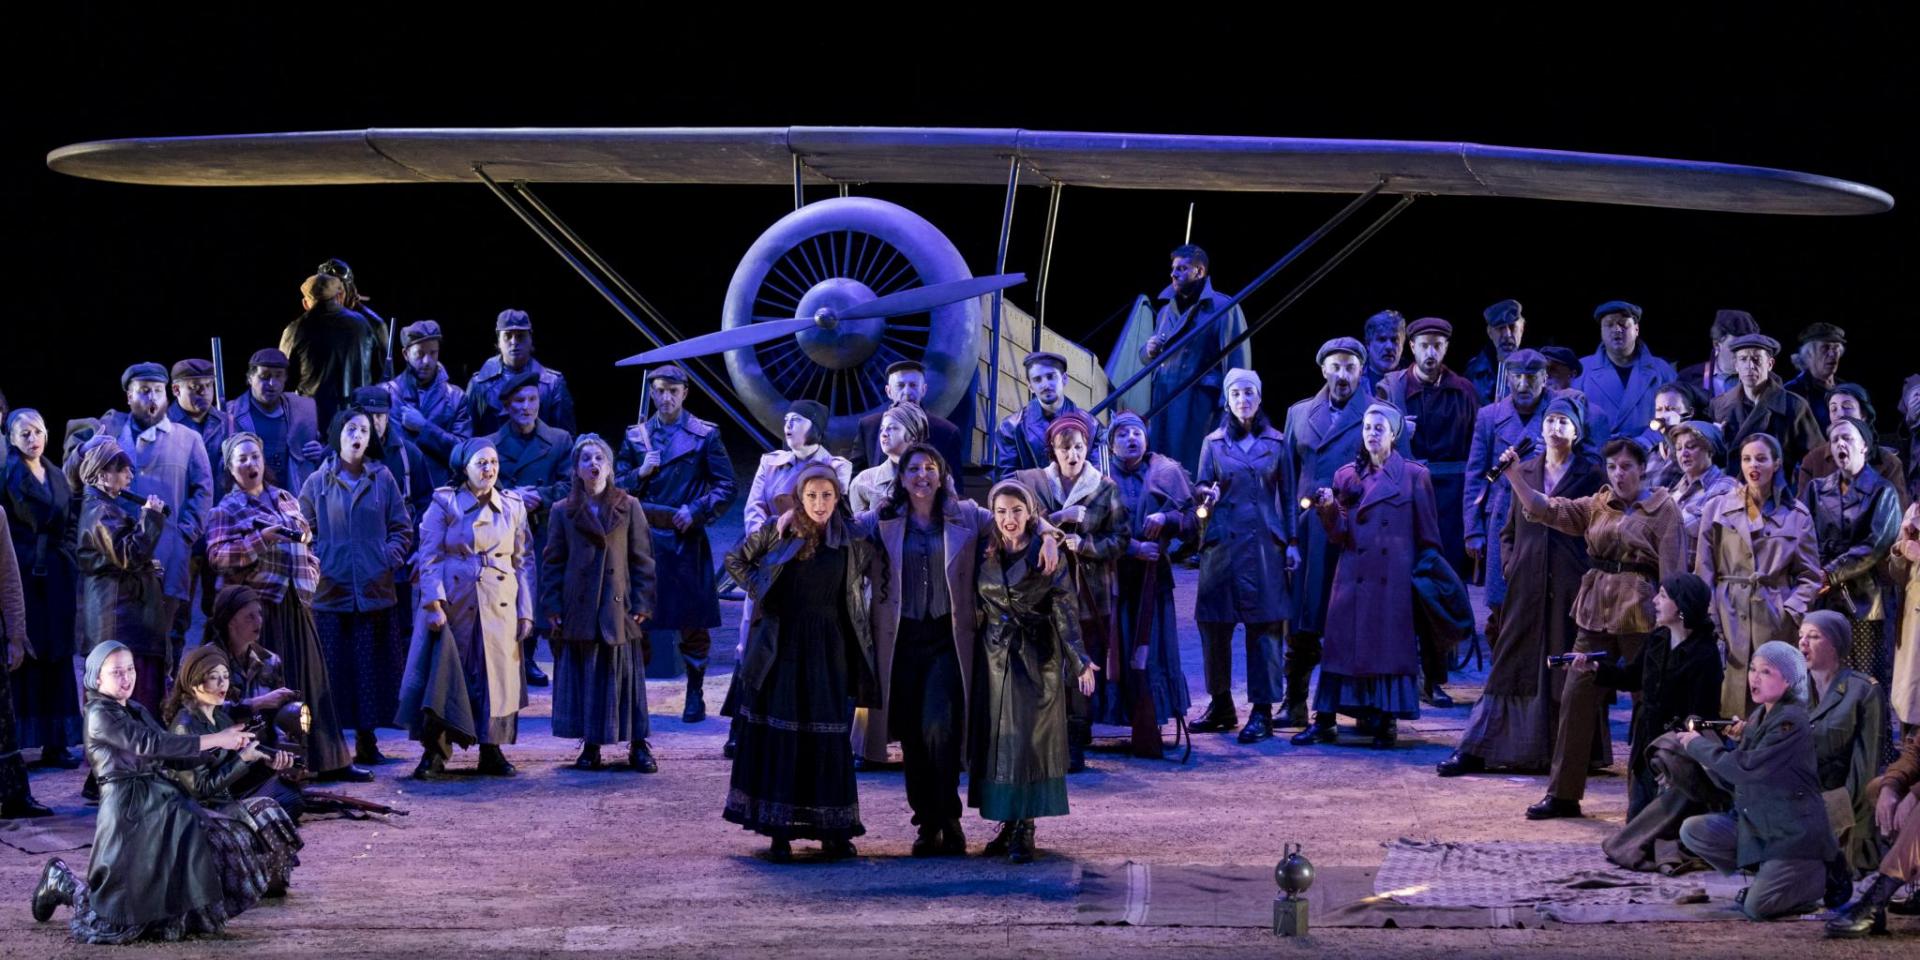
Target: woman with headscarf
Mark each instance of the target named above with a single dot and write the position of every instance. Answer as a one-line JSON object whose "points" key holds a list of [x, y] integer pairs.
{"points": [[902, 426], [1145, 684], [120, 588], [1074, 495], [197, 706], [464, 682], [1778, 828], [1856, 519], [362, 534], [1380, 513], [809, 656], [257, 537], [1633, 542], [39, 523], [1851, 400], [1029, 638], [162, 866], [1849, 716], [1247, 560], [597, 590], [1515, 720], [1757, 552], [1697, 477], [1675, 676]]}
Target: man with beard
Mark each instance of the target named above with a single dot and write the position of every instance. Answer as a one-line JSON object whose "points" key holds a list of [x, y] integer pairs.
{"points": [[1487, 369], [1821, 347], [1021, 443], [1439, 407], [907, 383], [1386, 334], [1619, 378], [677, 467], [1718, 374], [330, 349], [433, 413], [535, 462], [169, 462], [1322, 434], [1189, 299], [1762, 404], [288, 424], [484, 402], [1497, 426], [193, 408]]}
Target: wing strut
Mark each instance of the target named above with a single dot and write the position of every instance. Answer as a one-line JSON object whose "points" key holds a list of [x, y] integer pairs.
{"points": [[601, 286], [993, 345]]}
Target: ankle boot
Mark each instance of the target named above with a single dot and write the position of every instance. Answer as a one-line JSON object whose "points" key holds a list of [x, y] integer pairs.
{"points": [[433, 765], [953, 840], [1020, 845], [589, 758], [1219, 718], [535, 676], [997, 847], [493, 763], [366, 749], [1322, 731], [1259, 724], [1868, 914], [696, 709], [640, 757], [57, 887]]}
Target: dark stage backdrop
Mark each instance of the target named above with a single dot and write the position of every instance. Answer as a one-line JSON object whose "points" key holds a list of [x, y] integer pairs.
{"points": [[101, 275]]}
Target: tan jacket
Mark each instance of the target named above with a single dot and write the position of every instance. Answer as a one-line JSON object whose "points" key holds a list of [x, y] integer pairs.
{"points": [[1645, 534]]}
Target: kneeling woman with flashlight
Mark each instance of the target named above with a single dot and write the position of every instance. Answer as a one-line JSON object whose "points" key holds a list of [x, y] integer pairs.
{"points": [[163, 866]]}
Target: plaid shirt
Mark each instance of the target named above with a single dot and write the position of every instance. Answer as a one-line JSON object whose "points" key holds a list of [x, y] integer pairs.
{"points": [[239, 553]]}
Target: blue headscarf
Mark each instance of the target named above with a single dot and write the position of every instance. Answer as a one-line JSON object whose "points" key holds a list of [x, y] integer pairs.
{"points": [[1785, 659]]}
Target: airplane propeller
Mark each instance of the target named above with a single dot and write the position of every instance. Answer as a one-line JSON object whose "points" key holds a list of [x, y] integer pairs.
{"points": [[916, 300]]}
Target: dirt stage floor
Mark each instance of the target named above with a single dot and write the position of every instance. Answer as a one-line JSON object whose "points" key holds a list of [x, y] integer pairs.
{"points": [[556, 861]]}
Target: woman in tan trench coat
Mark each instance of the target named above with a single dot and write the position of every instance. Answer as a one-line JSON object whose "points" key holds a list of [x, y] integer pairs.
{"points": [[1757, 552]]}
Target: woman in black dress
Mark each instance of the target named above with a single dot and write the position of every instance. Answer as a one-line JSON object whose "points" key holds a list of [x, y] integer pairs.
{"points": [[39, 520], [163, 867], [808, 661]]}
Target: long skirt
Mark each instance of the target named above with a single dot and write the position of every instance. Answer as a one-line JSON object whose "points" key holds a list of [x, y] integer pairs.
{"points": [[365, 660], [1518, 732], [289, 632], [599, 692], [45, 697], [1394, 695], [1163, 679], [253, 856], [793, 766]]}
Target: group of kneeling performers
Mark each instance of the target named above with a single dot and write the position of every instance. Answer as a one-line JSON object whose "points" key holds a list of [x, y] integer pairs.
{"points": [[990, 638]]}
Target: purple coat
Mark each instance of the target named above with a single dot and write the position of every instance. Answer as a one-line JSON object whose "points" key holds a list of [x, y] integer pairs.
{"points": [[1380, 522]]}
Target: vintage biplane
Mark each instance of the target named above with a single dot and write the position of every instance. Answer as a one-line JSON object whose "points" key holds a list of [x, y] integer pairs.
{"points": [[836, 290]]}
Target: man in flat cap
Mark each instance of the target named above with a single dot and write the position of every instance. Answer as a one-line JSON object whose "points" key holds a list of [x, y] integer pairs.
{"points": [[535, 462], [1497, 426], [676, 465], [907, 383], [288, 424], [1621, 376], [1762, 404], [432, 412], [195, 407], [1717, 375], [169, 462], [1563, 367], [1439, 406], [1322, 434], [1821, 347], [1385, 336], [1505, 329], [398, 453], [1021, 442], [1189, 303], [331, 350], [514, 330]]}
